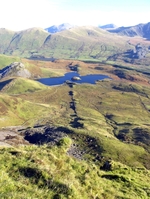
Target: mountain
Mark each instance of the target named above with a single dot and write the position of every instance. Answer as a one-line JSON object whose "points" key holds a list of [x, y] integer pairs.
{"points": [[142, 30], [83, 43], [108, 26], [25, 42], [76, 43], [74, 141], [59, 28]]}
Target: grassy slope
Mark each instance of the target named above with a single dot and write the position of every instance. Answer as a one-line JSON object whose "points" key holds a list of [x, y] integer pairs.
{"points": [[84, 43], [37, 68], [24, 43], [7, 60], [79, 43], [16, 111], [23, 85], [5, 38], [108, 110], [53, 174]]}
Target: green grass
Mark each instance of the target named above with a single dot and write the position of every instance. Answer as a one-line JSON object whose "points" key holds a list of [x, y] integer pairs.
{"points": [[23, 85], [43, 172], [16, 111], [78, 43], [115, 114], [7, 60]]}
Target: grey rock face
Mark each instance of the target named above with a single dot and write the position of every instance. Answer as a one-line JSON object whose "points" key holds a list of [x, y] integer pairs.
{"points": [[15, 69]]}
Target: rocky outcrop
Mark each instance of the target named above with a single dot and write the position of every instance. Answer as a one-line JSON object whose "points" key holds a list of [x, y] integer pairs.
{"points": [[140, 51], [15, 69]]}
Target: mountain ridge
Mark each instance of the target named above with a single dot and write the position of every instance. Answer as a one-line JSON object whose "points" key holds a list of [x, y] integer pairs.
{"points": [[142, 30], [84, 43], [75, 43], [59, 28]]}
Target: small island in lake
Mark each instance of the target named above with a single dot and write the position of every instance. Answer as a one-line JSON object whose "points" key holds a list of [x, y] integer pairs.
{"points": [[76, 78]]}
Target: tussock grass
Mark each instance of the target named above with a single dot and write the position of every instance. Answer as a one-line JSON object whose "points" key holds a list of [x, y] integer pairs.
{"points": [[43, 172]]}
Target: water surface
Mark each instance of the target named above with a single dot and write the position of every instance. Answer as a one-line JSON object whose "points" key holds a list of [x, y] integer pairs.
{"points": [[91, 79]]}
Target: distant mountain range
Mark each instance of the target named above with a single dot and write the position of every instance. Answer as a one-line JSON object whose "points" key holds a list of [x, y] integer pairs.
{"points": [[68, 42], [142, 30], [108, 26], [59, 28], [75, 43]]}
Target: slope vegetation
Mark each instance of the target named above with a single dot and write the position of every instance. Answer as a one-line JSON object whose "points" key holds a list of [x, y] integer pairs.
{"points": [[78, 42]]}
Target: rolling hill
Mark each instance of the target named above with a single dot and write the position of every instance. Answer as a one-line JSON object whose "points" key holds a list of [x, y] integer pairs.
{"points": [[82, 43], [75, 43]]}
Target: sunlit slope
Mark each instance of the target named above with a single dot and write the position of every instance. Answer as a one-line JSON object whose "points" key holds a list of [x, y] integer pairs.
{"points": [[120, 126], [22, 85], [26, 42], [54, 174], [79, 43], [5, 38], [84, 43], [7, 60], [15, 111]]}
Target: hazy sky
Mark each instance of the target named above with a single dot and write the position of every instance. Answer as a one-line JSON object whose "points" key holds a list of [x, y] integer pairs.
{"points": [[23, 14]]}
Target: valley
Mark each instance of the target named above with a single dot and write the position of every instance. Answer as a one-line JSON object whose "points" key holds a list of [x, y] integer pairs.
{"points": [[88, 140]]}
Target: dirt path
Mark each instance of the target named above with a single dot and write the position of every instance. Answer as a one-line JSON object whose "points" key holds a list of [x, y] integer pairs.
{"points": [[9, 137]]}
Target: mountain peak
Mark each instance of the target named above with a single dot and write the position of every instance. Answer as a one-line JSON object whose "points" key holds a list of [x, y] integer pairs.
{"points": [[108, 26], [141, 30], [59, 28]]}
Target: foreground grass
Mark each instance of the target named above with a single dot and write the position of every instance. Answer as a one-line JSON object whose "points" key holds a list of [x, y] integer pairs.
{"points": [[48, 172]]}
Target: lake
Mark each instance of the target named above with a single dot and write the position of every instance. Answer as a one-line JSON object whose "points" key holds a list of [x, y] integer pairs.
{"points": [[53, 81]]}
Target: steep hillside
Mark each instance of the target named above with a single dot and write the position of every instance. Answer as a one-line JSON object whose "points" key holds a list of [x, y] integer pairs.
{"points": [[78, 43], [5, 39], [142, 30], [84, 43], [26, 42]]}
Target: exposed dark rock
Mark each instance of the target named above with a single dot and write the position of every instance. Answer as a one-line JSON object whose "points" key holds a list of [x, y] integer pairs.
{"points": [[115, 177], [107, 166], [73, 67], [82, 145], [44, 135], [76, 123]]}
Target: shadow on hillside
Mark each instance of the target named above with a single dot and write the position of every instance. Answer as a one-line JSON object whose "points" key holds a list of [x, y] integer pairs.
{"points": [[4, 83]]}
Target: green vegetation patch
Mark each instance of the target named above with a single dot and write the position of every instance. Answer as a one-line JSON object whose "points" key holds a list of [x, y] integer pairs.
{"points": [[53, 174], [23, 85]]}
